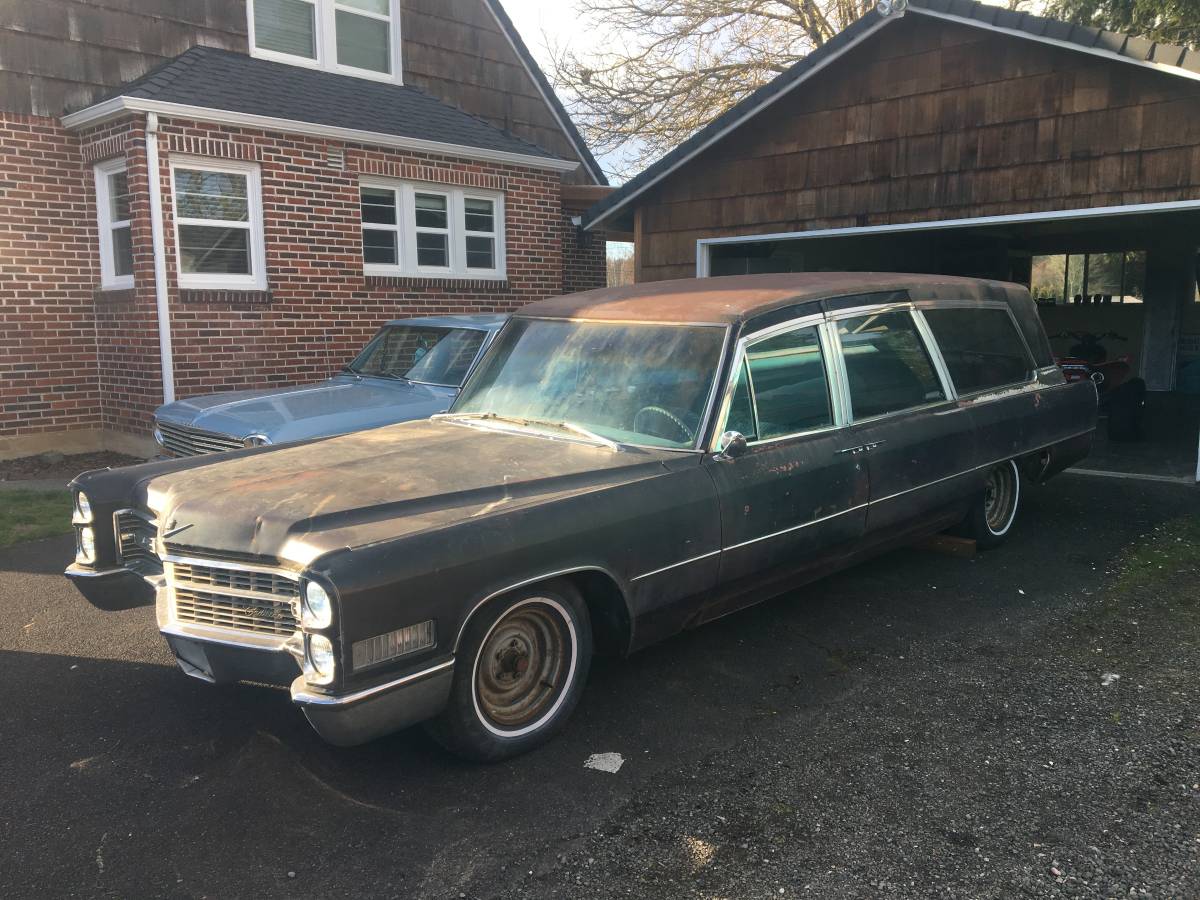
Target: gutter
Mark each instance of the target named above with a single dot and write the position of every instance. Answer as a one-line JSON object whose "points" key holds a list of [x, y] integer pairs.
{"points": [[160, 259], [117, 106]]}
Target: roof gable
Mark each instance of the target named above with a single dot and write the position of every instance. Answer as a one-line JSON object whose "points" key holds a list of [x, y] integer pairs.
{"points": [[1122, 48]]}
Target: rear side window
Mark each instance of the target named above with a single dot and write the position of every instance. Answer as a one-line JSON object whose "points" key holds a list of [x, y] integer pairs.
{"points": [[888, 368], [982, 347]]}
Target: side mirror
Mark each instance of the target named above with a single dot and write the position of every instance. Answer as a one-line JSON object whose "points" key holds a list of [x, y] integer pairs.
{"points": [[733, 445]]}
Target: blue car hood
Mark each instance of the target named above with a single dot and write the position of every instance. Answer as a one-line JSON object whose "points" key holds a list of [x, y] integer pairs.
{"points": [[337, 406]]}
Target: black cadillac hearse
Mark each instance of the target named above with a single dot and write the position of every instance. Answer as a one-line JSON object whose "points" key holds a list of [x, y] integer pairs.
{"points": [[624, 463]]}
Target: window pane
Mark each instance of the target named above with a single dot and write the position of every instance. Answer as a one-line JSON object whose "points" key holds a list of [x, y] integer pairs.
{"points": [[122, 251], [431, 211], [211, 195], [479, 214], [214, 250], [982, 347], [379, 206], [362, 42], [790, 390], [1104, 276], [379, 247], [432, 250], [118, 196], [376, 6], [887, 366], [285, 26], [1135, 276], [741, 413], [1048, 278], [481, 253]]}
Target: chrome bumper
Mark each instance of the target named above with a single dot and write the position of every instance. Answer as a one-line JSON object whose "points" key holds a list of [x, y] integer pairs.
{"points": [[361, 716]]}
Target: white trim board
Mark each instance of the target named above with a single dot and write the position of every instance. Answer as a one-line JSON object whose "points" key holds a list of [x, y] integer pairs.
{"points": [[119, 105], [884, 20], [1093, 212]]}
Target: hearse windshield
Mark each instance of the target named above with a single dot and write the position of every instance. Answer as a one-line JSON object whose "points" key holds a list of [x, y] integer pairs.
{"points": [[424, 353], [645, 384]]}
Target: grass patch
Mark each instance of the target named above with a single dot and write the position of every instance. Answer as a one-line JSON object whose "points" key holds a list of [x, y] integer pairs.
{"points": [[1171, 551], [31, 515]]}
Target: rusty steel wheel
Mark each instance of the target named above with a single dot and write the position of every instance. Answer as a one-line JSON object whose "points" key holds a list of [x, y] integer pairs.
{"points": [[520, 665], [525, 666], [992, 513]]}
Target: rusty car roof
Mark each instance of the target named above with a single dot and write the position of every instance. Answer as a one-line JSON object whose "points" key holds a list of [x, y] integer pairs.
{"points": [[734, 298]]}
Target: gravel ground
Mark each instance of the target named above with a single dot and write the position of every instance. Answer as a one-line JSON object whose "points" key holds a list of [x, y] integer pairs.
{"points": [[986, 765]]}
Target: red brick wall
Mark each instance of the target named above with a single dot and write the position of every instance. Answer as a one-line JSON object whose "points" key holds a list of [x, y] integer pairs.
{"points": [[48, 269], [584, 256]]}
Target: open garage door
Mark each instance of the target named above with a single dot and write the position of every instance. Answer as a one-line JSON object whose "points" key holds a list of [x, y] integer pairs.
{"points": [[1116, 288]]}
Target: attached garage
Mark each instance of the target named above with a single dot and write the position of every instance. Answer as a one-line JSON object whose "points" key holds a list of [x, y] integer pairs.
{"points": [[965, 139]]}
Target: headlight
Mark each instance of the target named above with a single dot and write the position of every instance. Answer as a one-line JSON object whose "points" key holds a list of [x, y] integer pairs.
{"points": [[318, 608], [318, 659], [86, 550], [83, 508], [256, 440]]}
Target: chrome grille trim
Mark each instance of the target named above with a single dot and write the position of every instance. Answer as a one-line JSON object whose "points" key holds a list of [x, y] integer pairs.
{"points": [[233, 597], [183, 440], [135, 533]]}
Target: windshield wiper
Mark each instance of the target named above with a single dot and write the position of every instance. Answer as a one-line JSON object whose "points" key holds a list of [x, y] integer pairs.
{"points": [[543, 423]]}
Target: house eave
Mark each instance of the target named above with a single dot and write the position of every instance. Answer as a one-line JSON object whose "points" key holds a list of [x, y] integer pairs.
{"points": [[117, 106]]}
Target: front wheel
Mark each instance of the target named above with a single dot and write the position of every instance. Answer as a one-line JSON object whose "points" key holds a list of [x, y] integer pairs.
{"points": [[994, 511], [520, 670]]}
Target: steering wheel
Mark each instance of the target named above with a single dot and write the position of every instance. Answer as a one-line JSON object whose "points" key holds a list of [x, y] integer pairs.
{"points": [[687, 433]]}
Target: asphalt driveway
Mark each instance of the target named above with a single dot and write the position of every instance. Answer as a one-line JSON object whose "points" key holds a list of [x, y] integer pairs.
{"points": [[922, 726]]}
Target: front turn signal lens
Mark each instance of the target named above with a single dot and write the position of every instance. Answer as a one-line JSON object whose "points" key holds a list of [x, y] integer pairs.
{"points": [[86, 549], [394, 644], [319, 664]]}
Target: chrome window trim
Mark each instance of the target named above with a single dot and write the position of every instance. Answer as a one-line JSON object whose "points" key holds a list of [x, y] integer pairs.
{"points": [[311, 698], [934, 349]]}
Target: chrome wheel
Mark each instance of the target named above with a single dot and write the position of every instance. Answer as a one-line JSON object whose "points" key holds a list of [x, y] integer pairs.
{"points": [[1000, 497], [525, 667]]}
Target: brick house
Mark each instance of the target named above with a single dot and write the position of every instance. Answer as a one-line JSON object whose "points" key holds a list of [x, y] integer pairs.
{"points": [[234, 194]]}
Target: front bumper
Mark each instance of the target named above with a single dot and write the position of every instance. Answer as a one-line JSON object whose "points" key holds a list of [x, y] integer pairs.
{"points": [[361, 716]]}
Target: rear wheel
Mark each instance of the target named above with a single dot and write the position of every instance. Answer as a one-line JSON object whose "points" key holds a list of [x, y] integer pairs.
{"points": [[994, 511], [522, 663]]}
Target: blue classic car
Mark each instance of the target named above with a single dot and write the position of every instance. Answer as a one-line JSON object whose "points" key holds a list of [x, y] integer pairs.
{"points": [[411, 369]]}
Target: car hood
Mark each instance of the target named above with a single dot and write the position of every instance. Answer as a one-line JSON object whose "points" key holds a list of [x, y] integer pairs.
{"points": [[296, 503], [336, 406]]}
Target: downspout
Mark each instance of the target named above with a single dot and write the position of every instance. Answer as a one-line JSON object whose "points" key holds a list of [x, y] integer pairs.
{"points": [[160, 259]]}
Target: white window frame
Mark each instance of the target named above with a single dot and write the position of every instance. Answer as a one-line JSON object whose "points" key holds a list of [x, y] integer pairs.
{"points": [[325, 41], [109, 280], [406, 231], [208, 281]]}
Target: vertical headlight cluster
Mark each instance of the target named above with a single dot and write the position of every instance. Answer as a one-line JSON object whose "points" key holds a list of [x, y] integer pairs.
{"points": [[316, 614], [85, 532]]}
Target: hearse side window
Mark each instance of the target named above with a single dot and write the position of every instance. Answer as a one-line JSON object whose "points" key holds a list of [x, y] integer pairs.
{"points": [[982, 347], [888, 368], [787, 378], [741, 407]]}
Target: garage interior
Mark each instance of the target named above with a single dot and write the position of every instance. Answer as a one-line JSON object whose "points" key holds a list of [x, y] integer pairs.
{"points": [[1111, 287]]}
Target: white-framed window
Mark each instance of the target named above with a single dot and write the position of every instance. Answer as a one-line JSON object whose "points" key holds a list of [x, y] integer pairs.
{"points": [[218, 224], [425, 229], [112, 212], [353, 37]]}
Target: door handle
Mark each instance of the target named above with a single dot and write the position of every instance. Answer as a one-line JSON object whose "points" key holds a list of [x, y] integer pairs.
{"points": [[873, 445], [858, 449]]}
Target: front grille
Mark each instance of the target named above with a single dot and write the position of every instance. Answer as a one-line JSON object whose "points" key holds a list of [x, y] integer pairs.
{"points": [[182, 440], [135, 541], [260, 602]]}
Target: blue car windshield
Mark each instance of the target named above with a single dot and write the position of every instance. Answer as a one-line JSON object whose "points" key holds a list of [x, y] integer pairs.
{"points": [[645, 384], [424, 353]]}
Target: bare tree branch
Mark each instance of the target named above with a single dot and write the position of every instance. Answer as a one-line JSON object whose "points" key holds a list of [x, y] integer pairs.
{"points": [[675, 65]]}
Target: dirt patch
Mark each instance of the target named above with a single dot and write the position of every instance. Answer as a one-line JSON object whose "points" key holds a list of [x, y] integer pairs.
{"points": [[57, 466]]}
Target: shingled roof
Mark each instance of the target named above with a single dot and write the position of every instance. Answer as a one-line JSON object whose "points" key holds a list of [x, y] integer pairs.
{"points": [[231, 82], [1121, 47]]}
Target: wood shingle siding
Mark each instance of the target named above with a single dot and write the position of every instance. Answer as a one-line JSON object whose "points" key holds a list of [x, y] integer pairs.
{"points": [[931, 120]]}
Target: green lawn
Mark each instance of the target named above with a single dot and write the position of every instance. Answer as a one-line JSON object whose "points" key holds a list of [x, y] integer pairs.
{"points": [[30, 515]]}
